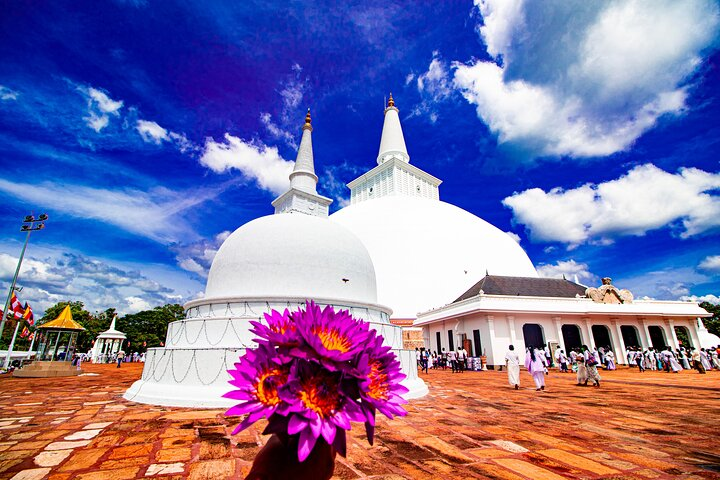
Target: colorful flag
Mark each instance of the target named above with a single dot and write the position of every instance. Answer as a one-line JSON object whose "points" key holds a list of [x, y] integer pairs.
{"points": [[25, 332], [17, 307], [28, 315], [32, 335], [144, 344]]}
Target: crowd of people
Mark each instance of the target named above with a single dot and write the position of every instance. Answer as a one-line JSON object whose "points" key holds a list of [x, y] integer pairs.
{"points": [[701, 360], [457, 361], [583, 362]]}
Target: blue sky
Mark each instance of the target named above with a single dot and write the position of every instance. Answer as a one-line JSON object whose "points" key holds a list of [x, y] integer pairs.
{"points": [[149, 130]]}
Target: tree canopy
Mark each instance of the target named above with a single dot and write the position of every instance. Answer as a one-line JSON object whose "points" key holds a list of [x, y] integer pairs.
{"points": [[144, 329], [712, 323]]}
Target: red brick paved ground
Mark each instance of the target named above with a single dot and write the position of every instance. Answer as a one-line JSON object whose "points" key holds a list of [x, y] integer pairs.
{"points": [[472, 425]]}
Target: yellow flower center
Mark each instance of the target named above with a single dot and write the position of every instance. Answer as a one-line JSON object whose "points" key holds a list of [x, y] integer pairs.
{"points": [[266, 386], [378, 388], [320, 394], [332, 339]]}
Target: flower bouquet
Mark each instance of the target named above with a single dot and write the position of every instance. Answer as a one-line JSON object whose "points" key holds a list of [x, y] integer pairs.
{"points": [[314, 372]]}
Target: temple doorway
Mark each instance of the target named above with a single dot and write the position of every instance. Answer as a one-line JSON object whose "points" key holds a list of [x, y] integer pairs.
{"points": [[683, 335], [630, 336], [657, 337], [533, 335], [571, 337], [601, 334]]}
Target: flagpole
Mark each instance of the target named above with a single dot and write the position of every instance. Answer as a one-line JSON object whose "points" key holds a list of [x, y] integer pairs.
{"points": [[32, 342], [12, 286], [12, 344], [28, 226]]}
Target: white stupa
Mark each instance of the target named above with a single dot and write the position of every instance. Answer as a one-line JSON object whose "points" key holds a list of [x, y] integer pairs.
{"points": [[108, 343], [273, 262], [426, 252]]}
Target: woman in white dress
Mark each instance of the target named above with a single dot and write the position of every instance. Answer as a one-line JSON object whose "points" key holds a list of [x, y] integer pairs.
{"points": [[610, 360], [535, 364], [512, 362]]}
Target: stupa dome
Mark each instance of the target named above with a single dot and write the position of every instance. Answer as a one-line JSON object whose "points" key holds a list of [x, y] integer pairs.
{"points": [[293, 256], [427, 252]]}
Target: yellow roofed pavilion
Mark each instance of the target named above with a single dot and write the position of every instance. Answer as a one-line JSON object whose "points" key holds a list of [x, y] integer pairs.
{"points": [[64, 321]]}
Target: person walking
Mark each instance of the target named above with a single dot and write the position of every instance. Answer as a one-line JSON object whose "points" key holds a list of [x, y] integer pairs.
{"points": [[462, 359], [120, 356], [452, 358], [535, 364], [591, 363], [512, 362], [563, 361], [697, 361]]}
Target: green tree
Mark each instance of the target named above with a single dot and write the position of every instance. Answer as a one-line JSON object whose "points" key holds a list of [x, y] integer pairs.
{"points": [[148, 328], [712, 323]]}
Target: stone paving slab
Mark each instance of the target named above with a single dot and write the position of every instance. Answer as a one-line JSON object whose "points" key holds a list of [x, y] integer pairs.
{"points": [[472, 425]]}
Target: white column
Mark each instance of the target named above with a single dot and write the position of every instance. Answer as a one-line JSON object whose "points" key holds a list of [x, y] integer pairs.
{"points": [[511, 329], [622, 358], [558, 329], [694, 334], [591, 339], [673, 336], [648, 340], [491, 329]]}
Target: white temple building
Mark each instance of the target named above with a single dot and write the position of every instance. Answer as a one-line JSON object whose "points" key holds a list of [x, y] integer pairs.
{"points": [[274, 262]]}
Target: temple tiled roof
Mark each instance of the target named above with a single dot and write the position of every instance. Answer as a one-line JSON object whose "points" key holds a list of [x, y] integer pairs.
{"points": [[524, 286]]}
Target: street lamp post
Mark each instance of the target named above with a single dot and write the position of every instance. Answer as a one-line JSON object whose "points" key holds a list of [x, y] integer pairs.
{"points": [[29, 225]]}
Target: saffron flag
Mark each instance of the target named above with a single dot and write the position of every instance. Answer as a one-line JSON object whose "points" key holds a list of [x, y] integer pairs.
{"points": [[25, 332], [28, 315], [16, 306]]}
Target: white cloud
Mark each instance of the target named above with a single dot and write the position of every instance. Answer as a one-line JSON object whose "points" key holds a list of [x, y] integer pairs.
{"points": [[100, 107], [151, 132], [154, 214], [61, 276], [584, 79], [197, 257], [514, 236], [254, 160], [435, 81], [502, 20], [137, 304], [8, 93], [434, 85], [103, 102], [710, 264], [276, 131], [703, 298], [645, 199], [569, 269]]}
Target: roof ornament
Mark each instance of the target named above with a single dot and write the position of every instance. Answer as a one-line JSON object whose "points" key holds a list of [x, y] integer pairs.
{"points": [[308, 122], [391, 102], [608, 293]]}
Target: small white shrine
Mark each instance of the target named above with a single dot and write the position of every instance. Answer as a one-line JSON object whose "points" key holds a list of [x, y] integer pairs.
{"points": [[108, 343]]}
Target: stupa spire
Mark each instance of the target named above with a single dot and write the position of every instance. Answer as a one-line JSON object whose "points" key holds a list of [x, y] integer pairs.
{"points": [[392, 142], [303, 175], [302, 196]]}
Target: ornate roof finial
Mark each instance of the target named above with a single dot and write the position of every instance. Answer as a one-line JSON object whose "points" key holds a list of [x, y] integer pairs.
{"points": [[308, 121], [391, 102]]}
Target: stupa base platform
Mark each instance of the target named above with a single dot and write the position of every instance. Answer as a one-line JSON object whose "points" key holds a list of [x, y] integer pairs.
{"points": [[198, 378], [47, 369]]}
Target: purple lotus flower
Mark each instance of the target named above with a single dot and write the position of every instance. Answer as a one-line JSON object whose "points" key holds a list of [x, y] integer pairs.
{"points": [[279, 331], [333, 337], [314, 372], [258, 376]]}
